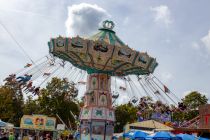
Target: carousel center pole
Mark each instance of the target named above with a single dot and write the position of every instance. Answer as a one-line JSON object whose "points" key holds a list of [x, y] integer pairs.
{"points": [[97, 115]]}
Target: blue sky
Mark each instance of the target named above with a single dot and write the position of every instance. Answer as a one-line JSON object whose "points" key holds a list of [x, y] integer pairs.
{"points": [[176, 32]]}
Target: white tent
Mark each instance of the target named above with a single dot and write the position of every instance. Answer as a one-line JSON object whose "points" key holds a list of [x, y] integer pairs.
{"points": [[6, 125], [2, 124], [149, 126]]}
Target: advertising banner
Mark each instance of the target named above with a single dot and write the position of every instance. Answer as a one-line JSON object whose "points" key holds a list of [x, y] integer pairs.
{"points": [[50, 123], [27, 122], [40, 122]]}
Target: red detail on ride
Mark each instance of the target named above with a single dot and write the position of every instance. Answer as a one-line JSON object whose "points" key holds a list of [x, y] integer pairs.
{"points": [[166, 90], [27, 65]]}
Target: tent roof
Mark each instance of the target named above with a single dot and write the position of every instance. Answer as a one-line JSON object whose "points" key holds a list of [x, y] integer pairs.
{"points": [[2, 124], [5, 124], [150, 124]]}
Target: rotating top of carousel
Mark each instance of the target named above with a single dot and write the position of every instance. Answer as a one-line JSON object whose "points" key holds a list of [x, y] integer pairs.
{"points": [[104, 52]]}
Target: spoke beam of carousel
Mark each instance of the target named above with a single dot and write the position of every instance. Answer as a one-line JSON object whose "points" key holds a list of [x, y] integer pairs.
{"points": [[103, 55]]}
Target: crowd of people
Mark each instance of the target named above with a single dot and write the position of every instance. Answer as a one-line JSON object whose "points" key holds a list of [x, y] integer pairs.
{"points": [[146, 103], [147, 108], [31, 136], [6, 136]]}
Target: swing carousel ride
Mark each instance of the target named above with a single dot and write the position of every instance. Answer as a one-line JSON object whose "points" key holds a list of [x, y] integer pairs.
{"points": [[108, 69]]}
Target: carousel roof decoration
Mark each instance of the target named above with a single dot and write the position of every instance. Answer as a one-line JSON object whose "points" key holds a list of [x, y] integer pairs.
{"points": [[118, 58]]}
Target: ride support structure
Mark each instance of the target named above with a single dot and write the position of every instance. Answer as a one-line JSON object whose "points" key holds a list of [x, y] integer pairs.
{"points": [[97, 115]]}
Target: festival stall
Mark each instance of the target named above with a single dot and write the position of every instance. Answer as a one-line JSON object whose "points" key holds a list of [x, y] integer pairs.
{"points": [[37, 125]]}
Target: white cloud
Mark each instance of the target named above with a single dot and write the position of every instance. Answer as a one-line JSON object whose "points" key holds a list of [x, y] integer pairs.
{"points": [[83, 19], [167, 41], [195, 46], [162, 14], [206, 41], [126, 21], [166, 76]]}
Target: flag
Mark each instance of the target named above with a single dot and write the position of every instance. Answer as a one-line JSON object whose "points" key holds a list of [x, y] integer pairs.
{"points": [[166, 90]]}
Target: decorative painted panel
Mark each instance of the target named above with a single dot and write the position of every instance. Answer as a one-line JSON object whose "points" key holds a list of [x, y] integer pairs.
{"points": [[99, 113], [103, 82], [77, 44], [102, 99], [100, 50], [98, 130], [142, 60], [85, 130], [60, 44], [93, 82], [110, 115], [124, 54], [91, 98], [85, 113]]}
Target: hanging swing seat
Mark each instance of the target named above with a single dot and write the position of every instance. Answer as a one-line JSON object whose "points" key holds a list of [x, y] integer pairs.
{"points": [[123, 88], [115, 96], [82, 82]]}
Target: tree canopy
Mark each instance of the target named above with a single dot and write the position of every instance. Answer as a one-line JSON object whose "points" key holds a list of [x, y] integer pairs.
{"points": [[125, 113], [57, 98], [194, 99]]}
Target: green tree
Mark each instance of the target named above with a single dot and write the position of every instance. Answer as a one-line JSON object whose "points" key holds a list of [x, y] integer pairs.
{"points": [[11, 104], [125, 114], [194, 99], [31, 106], [59, 98]]}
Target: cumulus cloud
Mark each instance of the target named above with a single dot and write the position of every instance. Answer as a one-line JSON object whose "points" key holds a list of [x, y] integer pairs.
{"points": [[84, 19], [206, 41], [195, 46], [162, 14], [166, 76]]}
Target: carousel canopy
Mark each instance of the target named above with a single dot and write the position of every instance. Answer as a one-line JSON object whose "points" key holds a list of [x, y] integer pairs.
{"points": [[104, 52]]}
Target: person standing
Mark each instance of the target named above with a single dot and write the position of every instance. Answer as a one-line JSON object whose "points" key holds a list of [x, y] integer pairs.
{"points": [[11, 136]]}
